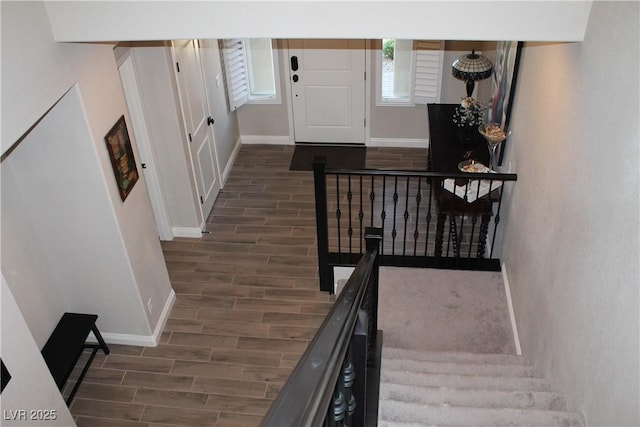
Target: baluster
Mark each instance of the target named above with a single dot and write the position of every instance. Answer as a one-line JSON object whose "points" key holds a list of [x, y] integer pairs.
{"points": [[460, 233], [406, 217], [372, 198], [350, 400], [359, 345], [338, 216], [350, 229], [426, 241], [416, 234], [449, 237], [394, 233], [482, 238], [339, 407], [496, 219], [351, 409], [474, 221], [383, 214], [453, 232], [439, 233], [360, 218]]}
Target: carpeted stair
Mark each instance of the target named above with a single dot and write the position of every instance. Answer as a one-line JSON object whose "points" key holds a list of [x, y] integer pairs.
{"points": [[463, 389]]}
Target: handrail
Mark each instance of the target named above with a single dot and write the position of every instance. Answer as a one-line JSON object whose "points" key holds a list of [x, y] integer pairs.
{"points": [[424, 174], [308, 393]]}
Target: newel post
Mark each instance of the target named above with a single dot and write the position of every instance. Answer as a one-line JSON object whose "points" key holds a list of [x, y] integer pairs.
{"points": [[325, 271], [373, 238]]}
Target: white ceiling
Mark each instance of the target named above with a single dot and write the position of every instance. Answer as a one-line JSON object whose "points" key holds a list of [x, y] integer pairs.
{"points": [[443, 20]]}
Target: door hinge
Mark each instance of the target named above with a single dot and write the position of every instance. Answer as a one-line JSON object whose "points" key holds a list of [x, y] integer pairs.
{"points": [[178, 66], [365, 75], [210, 120], [190, 140], [365, 122], [201, 200]]}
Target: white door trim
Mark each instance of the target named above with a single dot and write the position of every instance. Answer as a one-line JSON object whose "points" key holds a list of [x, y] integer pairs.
{"points": [[131, 89], [367, 91], [287, 69]]}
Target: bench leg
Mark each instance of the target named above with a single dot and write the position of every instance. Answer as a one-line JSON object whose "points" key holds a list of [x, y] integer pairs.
{"points": [[103, 345], [81, 377]]}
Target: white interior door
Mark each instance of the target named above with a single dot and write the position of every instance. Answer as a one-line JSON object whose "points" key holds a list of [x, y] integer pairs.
{"points": [[195, 108], [328, 90]]}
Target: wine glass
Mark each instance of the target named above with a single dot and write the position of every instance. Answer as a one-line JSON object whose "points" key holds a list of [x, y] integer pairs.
{"points": [[494, 134]]}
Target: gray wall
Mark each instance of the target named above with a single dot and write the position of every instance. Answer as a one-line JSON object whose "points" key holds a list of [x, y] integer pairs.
{"points": [[572, 231], [268, 119]]}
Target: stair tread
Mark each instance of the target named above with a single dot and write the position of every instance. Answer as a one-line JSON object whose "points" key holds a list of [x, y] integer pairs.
{"points": [[461, 415], [472, 397], [465, 389], [465, 381], [462, 368], [453, 356]]}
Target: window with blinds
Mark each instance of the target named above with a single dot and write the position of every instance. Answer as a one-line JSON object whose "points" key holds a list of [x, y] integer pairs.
{"points": [[251, 71], [235, 72], [410, 72]]}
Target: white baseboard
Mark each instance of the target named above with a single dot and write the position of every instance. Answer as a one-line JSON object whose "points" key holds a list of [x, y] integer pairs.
{"points": [[142, 340], [187, 232], [267, 139], [372, 142], [398, 142], [512, 316], [164, 316], [230, 162]]}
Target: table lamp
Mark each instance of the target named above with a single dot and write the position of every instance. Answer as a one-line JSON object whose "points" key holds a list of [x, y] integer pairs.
{"points": [[471, 67]]}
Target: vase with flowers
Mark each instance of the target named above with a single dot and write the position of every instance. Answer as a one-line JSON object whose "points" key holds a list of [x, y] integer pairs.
{"points": [[467, 117]]}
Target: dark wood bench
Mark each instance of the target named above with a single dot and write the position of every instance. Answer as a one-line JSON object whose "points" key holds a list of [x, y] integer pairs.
{"points": [[66, 344]]}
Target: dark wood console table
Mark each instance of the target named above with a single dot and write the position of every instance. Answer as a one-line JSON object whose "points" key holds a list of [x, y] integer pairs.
{"points": [[446, 150]]}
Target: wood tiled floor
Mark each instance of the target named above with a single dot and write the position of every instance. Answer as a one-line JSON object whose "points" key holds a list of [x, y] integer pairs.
{"points": [[247, 306]]}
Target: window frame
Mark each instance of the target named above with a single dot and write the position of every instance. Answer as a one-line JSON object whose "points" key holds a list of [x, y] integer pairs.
{"points": [[396, 100], [276, 98], [409, 101]]}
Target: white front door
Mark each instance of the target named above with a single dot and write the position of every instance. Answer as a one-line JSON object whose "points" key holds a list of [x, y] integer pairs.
{"points": [[195, 109], [328, 90]]}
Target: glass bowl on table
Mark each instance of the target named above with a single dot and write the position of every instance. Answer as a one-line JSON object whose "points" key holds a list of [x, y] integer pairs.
{"points": [[495, 135]]}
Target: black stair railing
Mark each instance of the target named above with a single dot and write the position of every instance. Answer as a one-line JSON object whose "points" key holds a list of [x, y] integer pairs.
{"points": [[428, 219], [329, 385]]}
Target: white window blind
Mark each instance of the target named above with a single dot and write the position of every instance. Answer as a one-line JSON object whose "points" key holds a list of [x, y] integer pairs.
{"points": [[235, 69], [428, 71]]}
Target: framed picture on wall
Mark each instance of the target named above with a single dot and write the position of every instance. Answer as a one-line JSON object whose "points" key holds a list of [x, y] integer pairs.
{"points": [[505, 74], [121, 155]]}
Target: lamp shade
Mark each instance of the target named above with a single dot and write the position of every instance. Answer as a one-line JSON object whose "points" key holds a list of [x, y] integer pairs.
{"points": [[470, 68]]}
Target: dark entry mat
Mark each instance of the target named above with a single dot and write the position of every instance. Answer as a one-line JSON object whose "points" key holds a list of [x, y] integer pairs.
{"points": [[338, 156]]}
